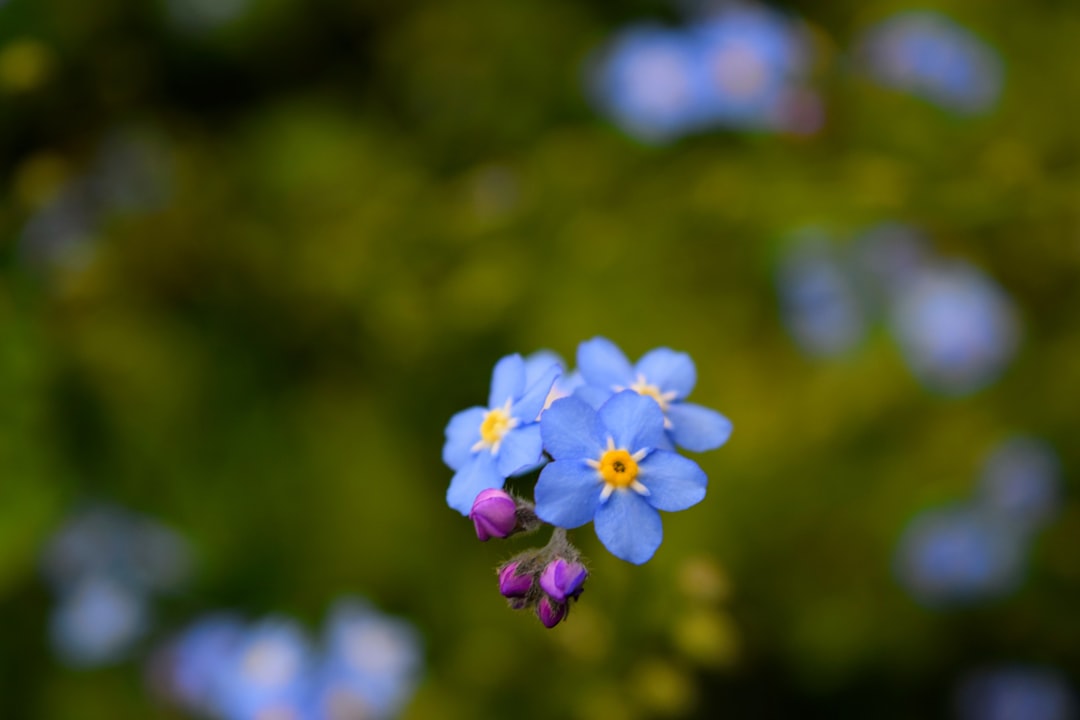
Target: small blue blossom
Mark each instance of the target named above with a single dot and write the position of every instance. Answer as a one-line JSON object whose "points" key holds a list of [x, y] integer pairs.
{"points": [[959, 556], [646, 82], [194, 661], [268, 672], [484, 446], [609, 467], [665, 376], [819, 298], [371, 662], [751, 62], [956, 328], [98, 623], [1016, 693], [930, 55], [1022, 482]]}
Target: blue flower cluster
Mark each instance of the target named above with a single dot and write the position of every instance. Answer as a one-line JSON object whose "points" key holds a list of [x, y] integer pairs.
{"points": [[604, 439], [955, 327], [965, 553], [747, 67], [744, 67], [107, 565], [928, 54], [222, 667]]}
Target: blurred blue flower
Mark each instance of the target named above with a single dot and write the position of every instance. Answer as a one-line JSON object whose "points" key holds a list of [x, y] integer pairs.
{"points": [[819, 298], [956, 328], [371, 662], [646, 81], [1022, 482], [1016, 693], [665, 376], [194, 662], [930, 55], [98, 622], [750, 64], [607, 467], [958, 555], [886, 257], [743, 67], [267, 674], [484, 446]]}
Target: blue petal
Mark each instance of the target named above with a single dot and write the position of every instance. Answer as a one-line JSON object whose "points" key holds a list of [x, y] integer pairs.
{"points": [[634, 421], [521, 448], [603, 364], [629, 527], [507, 381], [478, 474], [462, 432], [674, 482], [593, 395], [698, 428], [567, 493], [538, 363], [571, 429], [528, 408], [668, 370]]}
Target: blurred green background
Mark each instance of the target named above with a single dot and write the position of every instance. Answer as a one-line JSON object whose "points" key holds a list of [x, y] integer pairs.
{"points": [[344, 211]]}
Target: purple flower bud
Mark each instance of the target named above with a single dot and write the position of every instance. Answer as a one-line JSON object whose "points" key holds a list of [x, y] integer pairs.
{"points": [[494, 513], [511, 584], [550, 612], [563, 579]]}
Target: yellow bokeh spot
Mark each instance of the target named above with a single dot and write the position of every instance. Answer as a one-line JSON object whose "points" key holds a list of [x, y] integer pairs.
{"points": [[618, 468], [496, 424], [24, 65]]}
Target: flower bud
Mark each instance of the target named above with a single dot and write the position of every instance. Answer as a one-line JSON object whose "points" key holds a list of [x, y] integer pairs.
{"points": [[550, 612], [494, 513], [562, 579], [512, 585]]}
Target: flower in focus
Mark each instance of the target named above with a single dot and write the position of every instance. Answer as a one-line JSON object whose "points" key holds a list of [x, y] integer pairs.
{"points": [[609, 466], [494, 514], [956, 328], [664, 376], [930, 55], [563, 579], [484, 446]]}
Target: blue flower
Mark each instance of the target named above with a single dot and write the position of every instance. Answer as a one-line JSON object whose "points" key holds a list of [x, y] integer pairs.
{"points": [[750, 61], [484, 446], [99, 623], [665, 376], [268, 671], [196, 659], [371, 663], [646, 82], [959, 556], [1011, 693], [956, 328], [609, 467], [929, 55], [1022, 482]]}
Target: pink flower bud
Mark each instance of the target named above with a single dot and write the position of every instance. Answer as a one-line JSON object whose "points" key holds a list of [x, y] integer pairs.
{"points": [[550, 612], [512, 585], [562, 579], [494, 513]]}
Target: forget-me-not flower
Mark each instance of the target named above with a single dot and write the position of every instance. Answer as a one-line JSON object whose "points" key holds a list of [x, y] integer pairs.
{"points": [[1016, 693], [663, 375], [267, 672], [484, 446], [609, 467]]}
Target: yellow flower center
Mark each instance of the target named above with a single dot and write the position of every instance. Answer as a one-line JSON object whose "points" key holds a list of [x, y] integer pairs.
{"points": [[496, 424], [618, 468], [662, 399]]}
